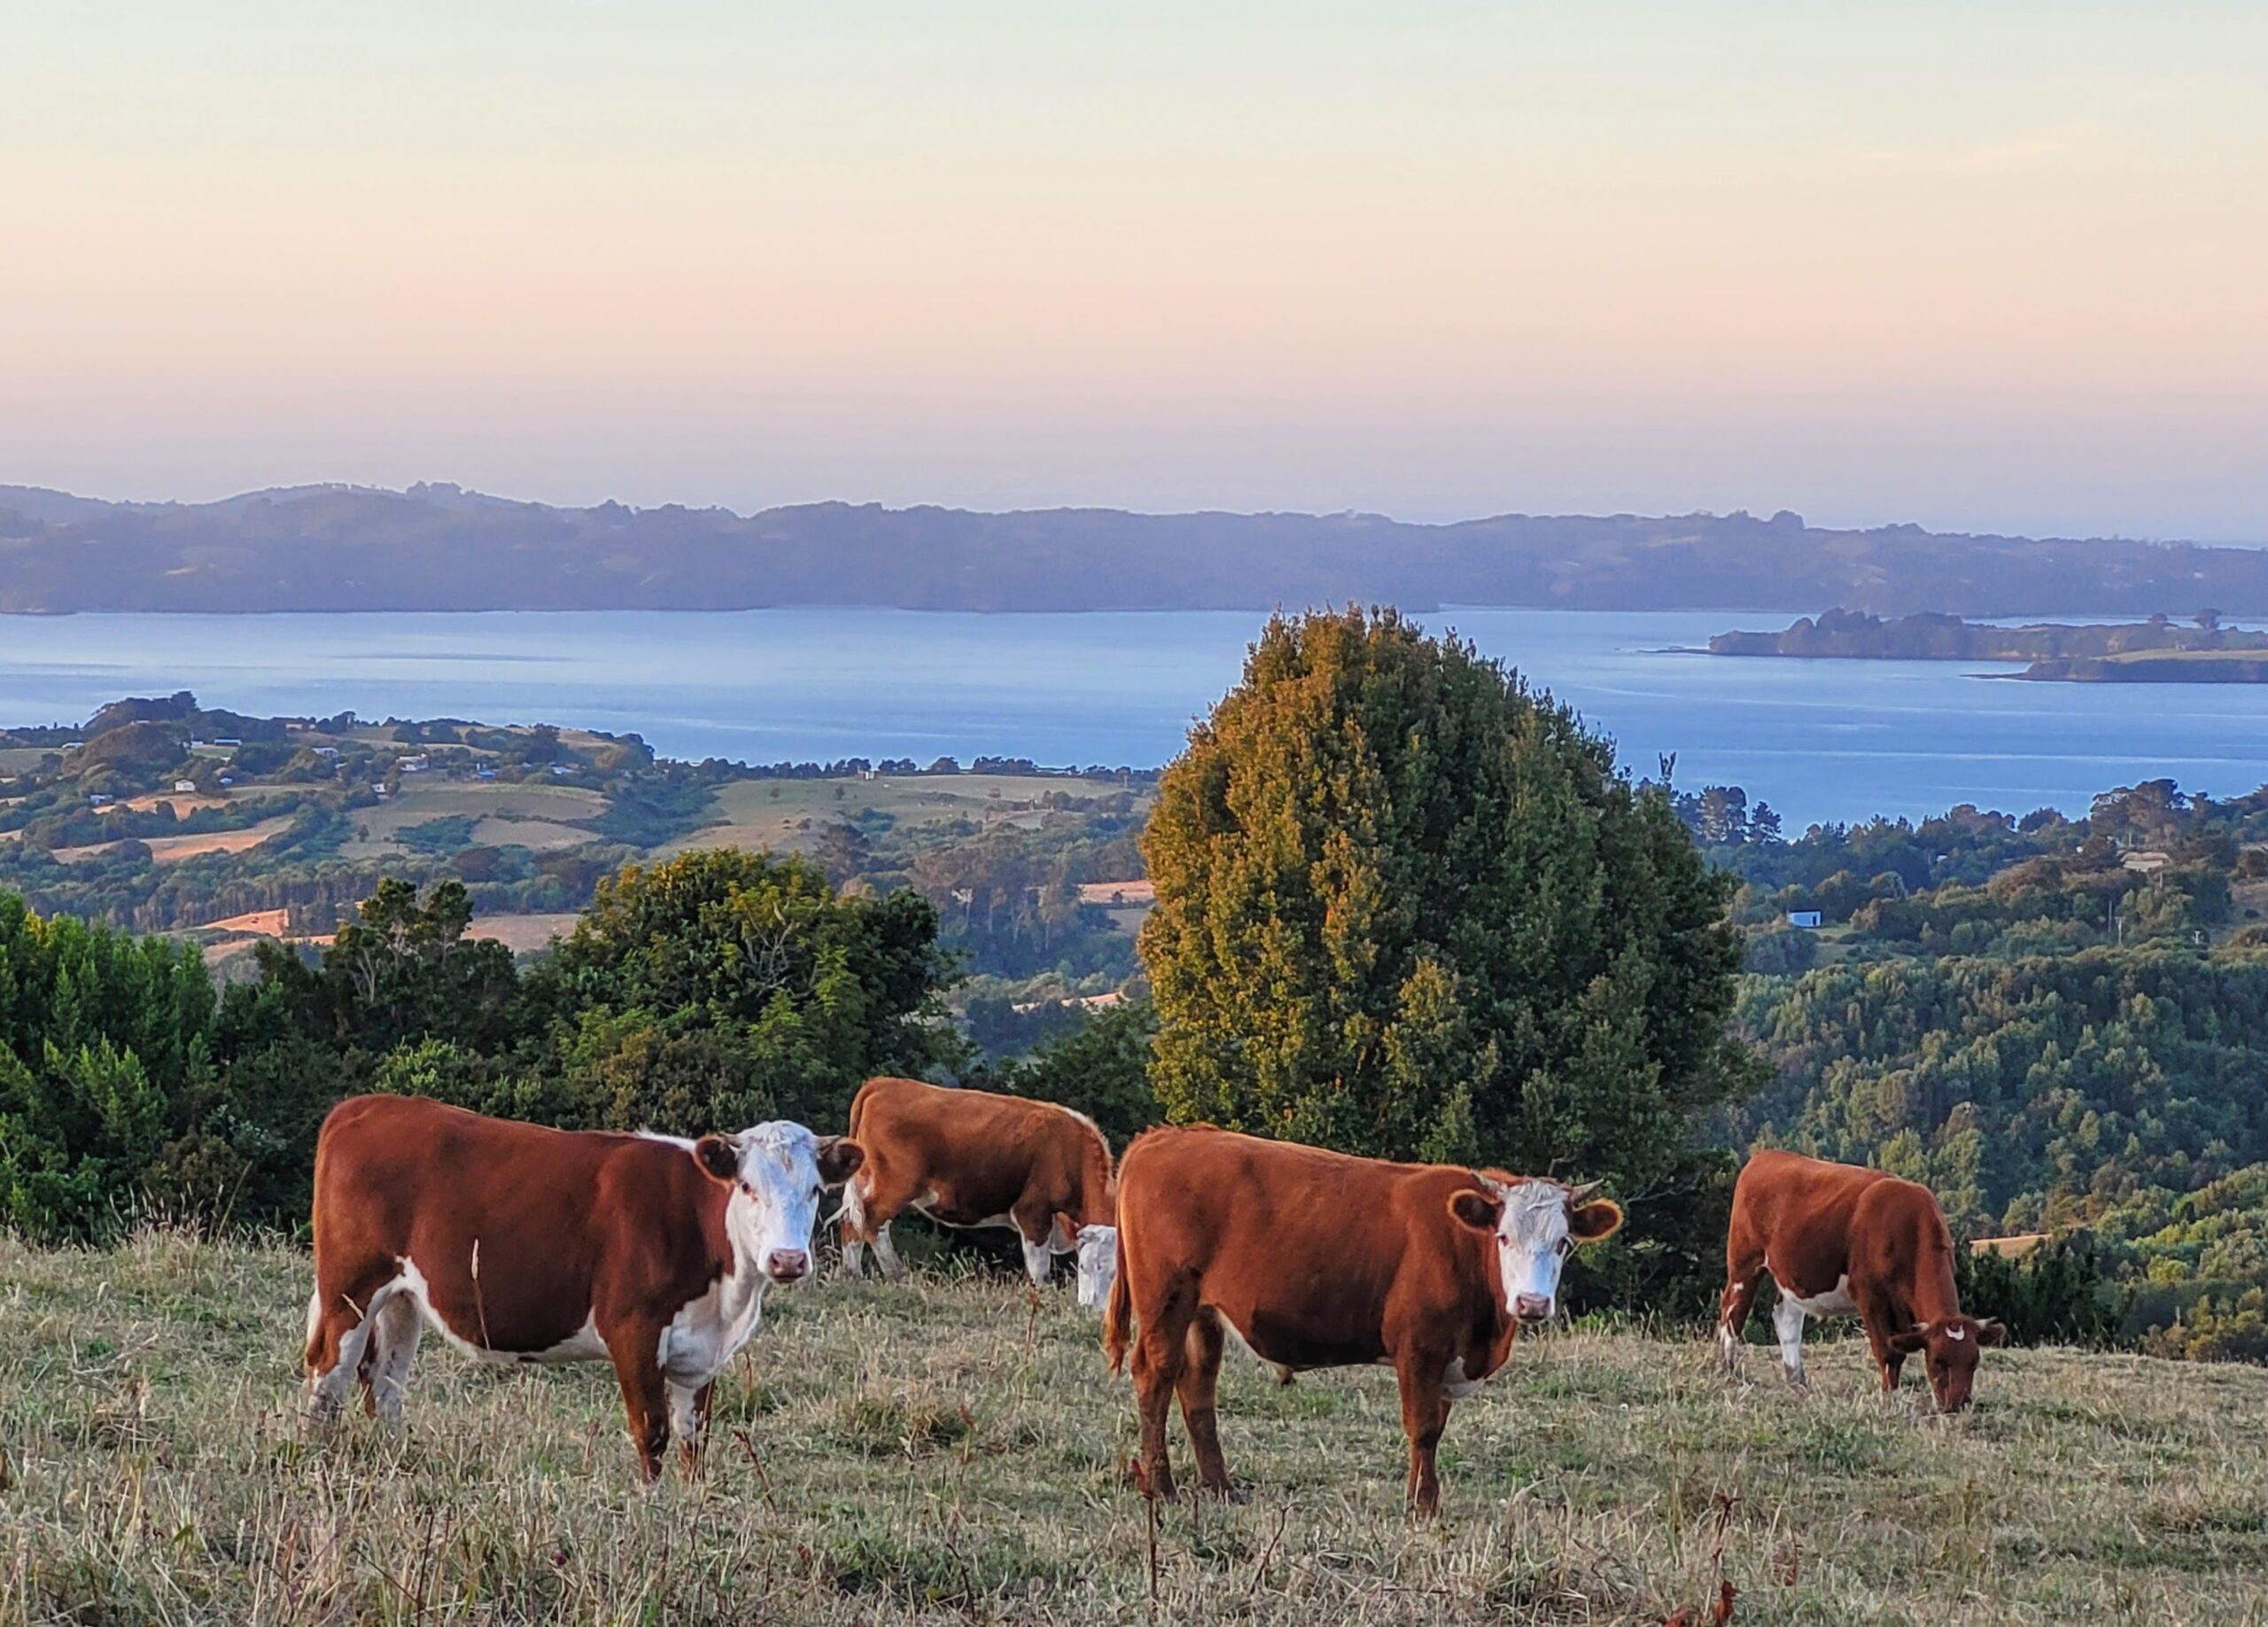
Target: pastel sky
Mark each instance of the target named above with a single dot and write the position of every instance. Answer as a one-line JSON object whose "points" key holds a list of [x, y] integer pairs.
{"points": [[1994, 264]]}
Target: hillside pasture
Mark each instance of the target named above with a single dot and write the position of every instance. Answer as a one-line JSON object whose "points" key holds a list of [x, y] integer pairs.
{"points": [[523, 934], [769, 814], [173, 849], [548, 811], [949, 1451]]}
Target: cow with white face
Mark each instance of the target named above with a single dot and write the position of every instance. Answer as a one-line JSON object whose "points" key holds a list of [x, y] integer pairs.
{"points": [[519, 1243], [1098, 1263], [1316, 1259]]}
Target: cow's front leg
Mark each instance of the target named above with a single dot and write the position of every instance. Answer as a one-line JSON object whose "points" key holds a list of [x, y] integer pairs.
{"points": [[689, 1420], [1425, 1414], [1881, 1318], [1036, 1230], [645, 1401]]}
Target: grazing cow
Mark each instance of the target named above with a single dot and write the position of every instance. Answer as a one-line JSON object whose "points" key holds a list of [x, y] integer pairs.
{"points": [[971, 1158], [1837, 1238], [1316, 1259], [522, 1243]]}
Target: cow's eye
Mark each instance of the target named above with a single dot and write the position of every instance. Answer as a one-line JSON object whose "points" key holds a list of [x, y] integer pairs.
{"points": [[1566, 1247]]}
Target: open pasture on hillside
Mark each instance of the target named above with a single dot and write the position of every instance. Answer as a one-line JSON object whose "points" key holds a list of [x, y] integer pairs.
{"points": [[537, 816], [174, 849], [760, 814], [946, 1451]]}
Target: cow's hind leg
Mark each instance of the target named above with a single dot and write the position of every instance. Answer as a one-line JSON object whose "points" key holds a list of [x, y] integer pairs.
{"points": [[1199, 1389], [1788, 1321], [338, 1334], [1425, 1414], [394, 1329], [1161, 1352]]}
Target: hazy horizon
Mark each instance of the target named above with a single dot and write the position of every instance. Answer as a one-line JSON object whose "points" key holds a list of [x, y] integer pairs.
{"points": [[1984, 268], [1882, 523]]}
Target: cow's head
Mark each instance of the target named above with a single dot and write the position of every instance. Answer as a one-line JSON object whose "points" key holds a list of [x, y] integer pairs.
{"points": [[1952, 1344], [1536, 1225], [777, 1172], [1097, 1263]]}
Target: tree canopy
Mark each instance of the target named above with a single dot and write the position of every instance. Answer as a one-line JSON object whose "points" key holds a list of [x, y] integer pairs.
{"points": [[1408, 907]]}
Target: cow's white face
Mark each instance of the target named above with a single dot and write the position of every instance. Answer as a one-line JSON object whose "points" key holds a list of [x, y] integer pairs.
{"points": [[778, 1172], [1536, 1225], [1097, 1263]]}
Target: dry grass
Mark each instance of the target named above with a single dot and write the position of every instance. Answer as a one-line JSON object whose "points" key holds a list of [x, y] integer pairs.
{"points": [[941, 1452], [525, 934], [173, 849]]}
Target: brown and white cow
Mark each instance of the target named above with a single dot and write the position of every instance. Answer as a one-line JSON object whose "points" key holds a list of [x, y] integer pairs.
{"points": [[520, 1243], [1836, 1239], [973, 1158], [1316, 1259]]}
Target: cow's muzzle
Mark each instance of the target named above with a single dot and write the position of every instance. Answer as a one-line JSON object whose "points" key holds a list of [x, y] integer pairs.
{"points": [[1532, 1307], [786, 1265]]}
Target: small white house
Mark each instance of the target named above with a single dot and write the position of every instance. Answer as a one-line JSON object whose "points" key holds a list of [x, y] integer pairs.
{"points": [[1806, 918], [185, 785]]}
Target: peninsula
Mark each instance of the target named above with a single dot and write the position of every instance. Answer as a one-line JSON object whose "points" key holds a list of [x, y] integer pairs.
{"points": [[2156, 651]]}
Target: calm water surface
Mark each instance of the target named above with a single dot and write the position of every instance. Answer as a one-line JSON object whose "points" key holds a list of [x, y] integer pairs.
{"points": [[1817, 739]]}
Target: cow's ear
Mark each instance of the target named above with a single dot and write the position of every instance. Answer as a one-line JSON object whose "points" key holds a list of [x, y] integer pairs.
{"points": [[1908, 1342], [1994, 1332], [718, 1157], [1477, 1210], [1595, 1220], [839, 1158]]}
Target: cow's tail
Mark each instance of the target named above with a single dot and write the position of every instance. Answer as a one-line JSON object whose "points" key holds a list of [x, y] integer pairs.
{"points": [[1118, 1315]]}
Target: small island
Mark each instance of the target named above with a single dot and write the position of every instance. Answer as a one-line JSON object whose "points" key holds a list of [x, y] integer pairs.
{"points": [[2158, 651]]}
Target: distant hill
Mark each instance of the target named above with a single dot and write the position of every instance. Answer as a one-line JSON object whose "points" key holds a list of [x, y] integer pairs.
{"points": [[340, 548]]}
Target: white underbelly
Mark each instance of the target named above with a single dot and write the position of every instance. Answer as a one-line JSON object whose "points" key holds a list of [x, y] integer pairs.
{"points": [[583, 1345], [1836, 1302]]}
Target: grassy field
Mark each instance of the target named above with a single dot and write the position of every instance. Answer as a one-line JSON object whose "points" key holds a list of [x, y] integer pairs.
{"points": [[771, 813], [543, 817], [945, 1452]]}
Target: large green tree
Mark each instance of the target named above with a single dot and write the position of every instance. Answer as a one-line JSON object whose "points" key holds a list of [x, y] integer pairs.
{"points": [[1408, 907]]}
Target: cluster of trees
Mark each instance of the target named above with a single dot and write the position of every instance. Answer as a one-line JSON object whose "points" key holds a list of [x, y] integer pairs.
{"points": [[2113, 1091], [721, 988]]}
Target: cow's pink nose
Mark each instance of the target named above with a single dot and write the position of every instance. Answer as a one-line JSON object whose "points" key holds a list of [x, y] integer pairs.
{"points": [[786, 1265], [1532, 1307]]}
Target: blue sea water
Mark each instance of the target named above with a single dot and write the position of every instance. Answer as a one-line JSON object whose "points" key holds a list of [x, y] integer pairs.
{"points": [[1817, 739]]}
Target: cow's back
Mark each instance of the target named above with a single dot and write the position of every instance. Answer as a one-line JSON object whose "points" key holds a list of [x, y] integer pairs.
{"points": [[1800, 1216], [982, 1150]]}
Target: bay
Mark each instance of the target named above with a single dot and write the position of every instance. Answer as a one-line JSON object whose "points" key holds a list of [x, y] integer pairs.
{"points": [[1818, 740]]}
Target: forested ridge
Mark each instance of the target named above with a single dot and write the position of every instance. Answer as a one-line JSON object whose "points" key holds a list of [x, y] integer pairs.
{"points": [[435, 547]]}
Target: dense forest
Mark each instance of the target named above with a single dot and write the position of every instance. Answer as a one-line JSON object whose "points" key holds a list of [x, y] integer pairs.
{"points": [[439, 547]]}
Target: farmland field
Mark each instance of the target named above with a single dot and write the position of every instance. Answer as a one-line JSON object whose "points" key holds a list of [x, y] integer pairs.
{"points": [[943, 1452], [770, 812]]}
